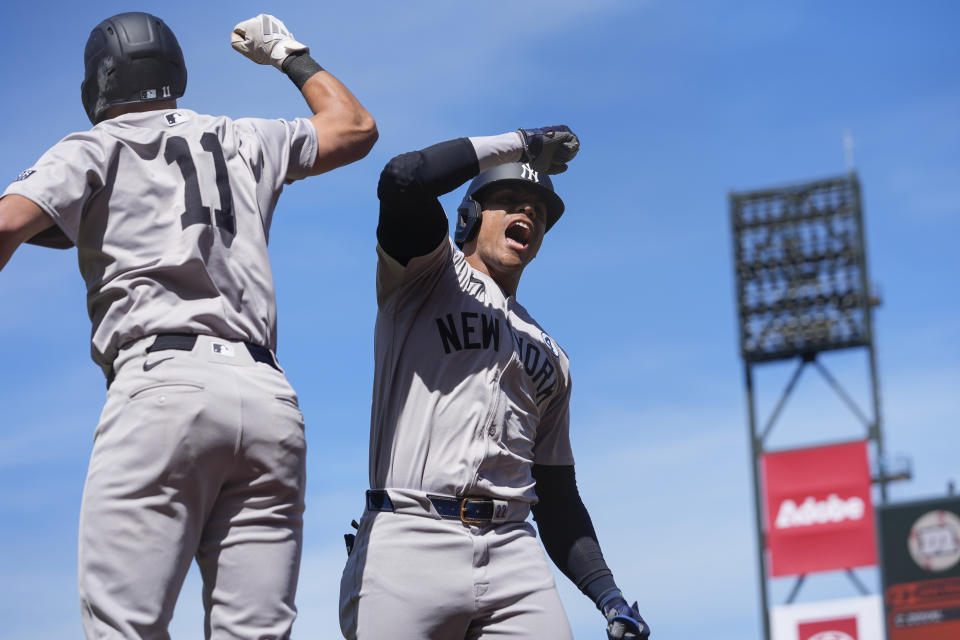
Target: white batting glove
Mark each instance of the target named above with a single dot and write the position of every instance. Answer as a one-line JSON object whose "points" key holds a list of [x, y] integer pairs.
{"points": [[265, 40]]}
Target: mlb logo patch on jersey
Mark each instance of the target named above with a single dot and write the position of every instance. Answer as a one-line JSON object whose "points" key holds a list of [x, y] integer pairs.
{"points": [[222, 349], [24, 175], [174, 118]]}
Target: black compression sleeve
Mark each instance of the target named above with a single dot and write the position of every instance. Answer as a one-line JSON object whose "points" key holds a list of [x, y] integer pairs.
{"points": [[567, 532], [412, 222]]}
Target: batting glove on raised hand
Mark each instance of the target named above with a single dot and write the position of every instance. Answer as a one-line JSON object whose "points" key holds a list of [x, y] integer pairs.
{"points": [[623, 621], [549, 149], [265, 40]]}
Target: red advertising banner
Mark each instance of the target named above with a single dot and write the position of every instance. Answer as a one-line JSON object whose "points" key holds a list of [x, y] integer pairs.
{"points": [[819, 512]]}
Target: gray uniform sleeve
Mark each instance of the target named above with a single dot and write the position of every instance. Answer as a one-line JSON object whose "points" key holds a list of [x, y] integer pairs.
{"points": [[279, 151], [552, 446], [392, 276], [64, 179]]}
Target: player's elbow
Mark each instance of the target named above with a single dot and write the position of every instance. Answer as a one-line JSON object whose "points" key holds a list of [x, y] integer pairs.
{"points": [[357, 130], [400, 178], [365, 134], [349, 140]]}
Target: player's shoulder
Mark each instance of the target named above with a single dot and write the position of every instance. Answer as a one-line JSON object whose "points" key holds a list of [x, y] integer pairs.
{"points": [[258, 122], [420, 273], [85, 144], [534, 328]]}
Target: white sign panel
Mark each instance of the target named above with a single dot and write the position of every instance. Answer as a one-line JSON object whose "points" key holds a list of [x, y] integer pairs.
{"points": [[846, 619]]}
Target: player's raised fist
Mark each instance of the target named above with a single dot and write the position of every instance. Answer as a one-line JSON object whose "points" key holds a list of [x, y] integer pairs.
{"points": [[549, 149], [265, 40]]}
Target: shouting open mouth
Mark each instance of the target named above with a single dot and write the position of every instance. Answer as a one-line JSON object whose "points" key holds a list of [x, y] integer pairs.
{"points": [[519, 233]]}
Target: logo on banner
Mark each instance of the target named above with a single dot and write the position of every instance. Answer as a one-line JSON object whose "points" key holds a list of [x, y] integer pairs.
{"points": [[934, 540], [812, 511], [839, 629]]}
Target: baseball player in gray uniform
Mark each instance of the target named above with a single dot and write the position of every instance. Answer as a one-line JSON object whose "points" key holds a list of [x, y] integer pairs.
{"points": [[471, 406], [199, 451]]}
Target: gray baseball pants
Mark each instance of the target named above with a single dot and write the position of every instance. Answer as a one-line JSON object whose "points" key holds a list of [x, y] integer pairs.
{"points": [[198, 454], [421, 577]]}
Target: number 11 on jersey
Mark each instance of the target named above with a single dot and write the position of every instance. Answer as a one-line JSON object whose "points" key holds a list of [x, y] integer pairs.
{"points": [[178, 150]]}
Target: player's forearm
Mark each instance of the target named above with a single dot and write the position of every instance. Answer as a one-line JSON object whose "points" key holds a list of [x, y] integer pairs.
{"points": [[7, 246], [567, 531], [20, 219], [345, 129]]}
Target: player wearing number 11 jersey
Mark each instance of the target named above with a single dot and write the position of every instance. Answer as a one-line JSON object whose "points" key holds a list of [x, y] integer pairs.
{"points": [[200, 450]]}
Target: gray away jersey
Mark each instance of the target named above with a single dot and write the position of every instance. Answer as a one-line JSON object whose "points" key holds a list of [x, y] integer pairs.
{"points": [[469, 391], [170, 212]]}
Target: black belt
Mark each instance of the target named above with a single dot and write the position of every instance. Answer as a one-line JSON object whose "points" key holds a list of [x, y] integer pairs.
{"points": [[468, 510], [186, 342]]}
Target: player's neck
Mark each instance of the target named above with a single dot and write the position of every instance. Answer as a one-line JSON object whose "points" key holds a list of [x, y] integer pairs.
{"points": [[507, 281], [140, 107]]}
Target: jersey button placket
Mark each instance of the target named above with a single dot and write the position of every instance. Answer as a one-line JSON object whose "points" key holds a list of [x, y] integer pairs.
{"points": [[495, 423], [491, 428]]}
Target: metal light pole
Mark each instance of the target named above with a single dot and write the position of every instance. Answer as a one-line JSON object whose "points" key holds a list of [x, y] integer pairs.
{"points": [[802, 288]]}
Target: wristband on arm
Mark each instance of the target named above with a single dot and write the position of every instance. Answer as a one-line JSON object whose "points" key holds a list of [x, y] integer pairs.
{"points": [[300, 67]]}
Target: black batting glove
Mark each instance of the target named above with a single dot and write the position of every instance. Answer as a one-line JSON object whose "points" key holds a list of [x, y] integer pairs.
{"points": [[623, 621], [549, 149]]}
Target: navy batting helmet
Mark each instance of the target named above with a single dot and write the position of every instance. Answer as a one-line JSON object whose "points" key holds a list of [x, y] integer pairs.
{"points": [[469, 214], [131, 57]]}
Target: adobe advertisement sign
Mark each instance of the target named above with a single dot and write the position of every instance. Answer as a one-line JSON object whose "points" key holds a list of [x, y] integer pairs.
{"points": [[819, 513], [921, 569], [845, 619]]}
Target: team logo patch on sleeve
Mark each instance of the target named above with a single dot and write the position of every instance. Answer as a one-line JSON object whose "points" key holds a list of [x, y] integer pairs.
{"points": [[547, 340], [24, 175]]}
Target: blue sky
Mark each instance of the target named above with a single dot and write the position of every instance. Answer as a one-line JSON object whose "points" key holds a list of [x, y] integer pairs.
{"points": [[676, 104]]}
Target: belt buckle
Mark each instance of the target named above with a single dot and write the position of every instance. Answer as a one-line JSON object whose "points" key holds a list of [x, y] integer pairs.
{"points": [[463, 516]]}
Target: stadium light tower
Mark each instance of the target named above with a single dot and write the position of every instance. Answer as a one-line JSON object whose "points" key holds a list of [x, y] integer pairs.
{"points": [[802, 289]]}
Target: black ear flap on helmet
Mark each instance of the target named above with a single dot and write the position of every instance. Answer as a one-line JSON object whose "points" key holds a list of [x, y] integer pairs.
{"points": [[131, 57], [469, 217], [469, 214]]}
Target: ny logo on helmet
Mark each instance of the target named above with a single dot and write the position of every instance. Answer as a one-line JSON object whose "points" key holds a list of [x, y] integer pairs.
{"points": [[529, 173]]}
